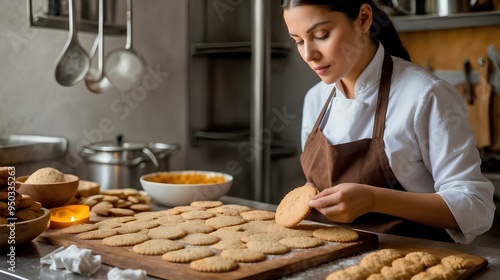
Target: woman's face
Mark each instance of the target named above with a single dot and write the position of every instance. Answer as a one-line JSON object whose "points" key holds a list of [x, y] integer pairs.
{"points": [[329, 42]]}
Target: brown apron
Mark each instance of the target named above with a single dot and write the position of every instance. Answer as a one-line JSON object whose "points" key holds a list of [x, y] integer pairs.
{"points": [[363, 161]]}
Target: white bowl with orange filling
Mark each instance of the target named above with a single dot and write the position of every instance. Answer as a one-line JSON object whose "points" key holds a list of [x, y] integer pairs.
{"points": [[177, 188]]}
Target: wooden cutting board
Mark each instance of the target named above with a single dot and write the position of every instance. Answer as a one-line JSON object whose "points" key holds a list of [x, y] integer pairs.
{"points": [[273, 267]]}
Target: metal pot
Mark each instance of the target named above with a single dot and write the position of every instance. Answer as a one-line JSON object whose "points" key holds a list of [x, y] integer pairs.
{"points": [[118, 164], [448, 7]]}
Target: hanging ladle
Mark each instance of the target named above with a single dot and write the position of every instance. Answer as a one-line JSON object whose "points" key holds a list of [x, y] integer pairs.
{"points": [[125, 68], [73, 63], [96, 81]]}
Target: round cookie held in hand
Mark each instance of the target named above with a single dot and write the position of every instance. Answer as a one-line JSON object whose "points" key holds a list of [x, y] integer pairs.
{"points": [[293, 208]]}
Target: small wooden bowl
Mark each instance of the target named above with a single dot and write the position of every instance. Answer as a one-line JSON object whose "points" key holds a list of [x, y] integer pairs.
{"points": [[24, 231], [52, 194]]}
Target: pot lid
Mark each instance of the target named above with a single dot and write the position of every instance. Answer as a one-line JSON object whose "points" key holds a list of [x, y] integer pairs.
{"points": [[117, 146]]}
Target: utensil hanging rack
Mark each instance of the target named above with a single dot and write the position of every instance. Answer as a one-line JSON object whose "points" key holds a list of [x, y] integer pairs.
{"points": [[43, 20]]}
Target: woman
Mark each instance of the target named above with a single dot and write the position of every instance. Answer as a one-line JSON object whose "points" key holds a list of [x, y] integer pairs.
{"points": [[386, 143]]}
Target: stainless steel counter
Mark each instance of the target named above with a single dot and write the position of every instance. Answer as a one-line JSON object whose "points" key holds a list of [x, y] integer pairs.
{"points": [[27, 259]]}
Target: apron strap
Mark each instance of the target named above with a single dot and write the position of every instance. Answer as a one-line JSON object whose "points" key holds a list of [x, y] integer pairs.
{"points": [[383, 97], [323, 111]]}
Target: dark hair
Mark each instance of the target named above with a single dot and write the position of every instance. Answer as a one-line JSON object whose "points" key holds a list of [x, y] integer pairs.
{"points": [[381, 29]]}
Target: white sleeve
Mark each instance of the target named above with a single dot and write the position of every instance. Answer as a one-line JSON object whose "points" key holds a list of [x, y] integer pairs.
{"points": [[449, 151]]}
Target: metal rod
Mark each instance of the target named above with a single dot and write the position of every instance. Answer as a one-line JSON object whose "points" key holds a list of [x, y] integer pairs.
{"points": [[260, 136]]}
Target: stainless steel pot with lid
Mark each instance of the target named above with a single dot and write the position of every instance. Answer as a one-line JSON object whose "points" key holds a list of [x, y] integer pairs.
{"points": [[119, 164]]}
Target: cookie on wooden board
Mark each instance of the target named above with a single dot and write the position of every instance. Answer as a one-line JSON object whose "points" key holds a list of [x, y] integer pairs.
{"points": [[96, 234], [336, 234], [200, 239], [293, 208], [128, 239], [301, 242], [157, 247], [225, 221], [268, 247], [243, 255], [257, 215], [225, 244], [214, 264], [205, 204], [80, 228], [188, 254], [456, 262]]}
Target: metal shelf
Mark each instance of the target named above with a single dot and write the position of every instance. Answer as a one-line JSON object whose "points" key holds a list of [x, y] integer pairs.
{"points": [[278, 148], [61, 22], [433, 22], [235, 48], [42, 20]]}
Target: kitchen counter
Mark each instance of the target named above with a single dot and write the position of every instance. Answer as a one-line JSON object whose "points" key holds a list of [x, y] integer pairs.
{"points": [[28, 258]]}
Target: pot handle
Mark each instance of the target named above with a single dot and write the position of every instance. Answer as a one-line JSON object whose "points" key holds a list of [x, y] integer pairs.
{"points": [[151, 156], [86, 151]]}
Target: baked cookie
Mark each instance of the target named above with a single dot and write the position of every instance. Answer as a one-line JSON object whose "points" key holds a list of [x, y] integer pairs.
{"points": [[260, 237], [214, 264], [301, 242], [243, 255], [293, 208], [170, 219], [228, 234], [200, 239], [409, 266], [120, 212], [268, 247], [96, 234], [257, 215], [225, 211], [351, 272], [205, 204], [225, 244], [288, 232], [456, 262], [187, 254], [197, 215], [157, 247], [225, 221], [195, 226], [444, 271], [79, 228], [424, 258], [128, 239], [167, 233], [336, 234]]}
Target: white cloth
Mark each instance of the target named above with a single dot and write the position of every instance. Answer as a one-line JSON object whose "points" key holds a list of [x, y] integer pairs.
{"points": [[427, 138], [74, 260], [127, 274]]}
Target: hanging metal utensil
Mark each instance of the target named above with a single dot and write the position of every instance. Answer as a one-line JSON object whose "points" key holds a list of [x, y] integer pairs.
{"points": [[125, 68], [96, 81], [73, 63]]}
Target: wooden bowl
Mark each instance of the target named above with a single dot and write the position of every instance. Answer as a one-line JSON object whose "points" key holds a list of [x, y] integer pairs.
{"points": [[24, 231], [52, 194]]}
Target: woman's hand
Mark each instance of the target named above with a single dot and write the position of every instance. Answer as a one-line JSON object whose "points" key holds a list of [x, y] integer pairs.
{"points": [[344, 202]]}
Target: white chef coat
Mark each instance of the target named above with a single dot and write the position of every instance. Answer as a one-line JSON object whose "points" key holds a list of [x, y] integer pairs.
{"points": [[427, 138]]}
